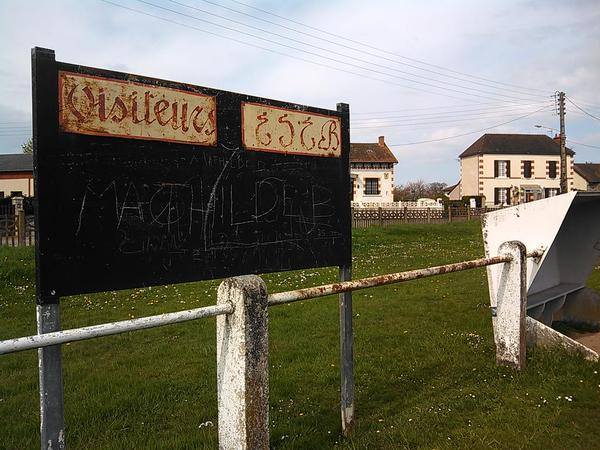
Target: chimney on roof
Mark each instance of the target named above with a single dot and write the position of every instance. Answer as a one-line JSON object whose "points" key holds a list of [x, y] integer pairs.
{"points": [[556, 138], [381, 141]]}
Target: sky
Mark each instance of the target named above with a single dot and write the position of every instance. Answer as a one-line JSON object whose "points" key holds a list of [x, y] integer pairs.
{"points": [[443, 72]]}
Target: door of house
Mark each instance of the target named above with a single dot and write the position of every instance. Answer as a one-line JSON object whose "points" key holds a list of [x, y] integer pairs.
{"points": [[529, 196]]}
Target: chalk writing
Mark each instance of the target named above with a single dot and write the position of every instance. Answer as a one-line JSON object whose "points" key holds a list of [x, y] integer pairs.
{"points": [[100, 106], [196, 217], [272, 129]]}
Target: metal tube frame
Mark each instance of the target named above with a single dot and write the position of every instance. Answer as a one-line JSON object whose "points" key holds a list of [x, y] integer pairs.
{"points": [[106, 329], [50, 337]]}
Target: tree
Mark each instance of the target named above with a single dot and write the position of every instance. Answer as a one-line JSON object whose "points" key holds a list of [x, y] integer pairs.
{"points": [[436, 190], [27, 147], [414, 190]]}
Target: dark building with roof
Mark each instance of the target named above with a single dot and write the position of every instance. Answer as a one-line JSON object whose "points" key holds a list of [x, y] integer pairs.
{"points": [[587, 176], [513, 168], [372, 172], [16, 175]]}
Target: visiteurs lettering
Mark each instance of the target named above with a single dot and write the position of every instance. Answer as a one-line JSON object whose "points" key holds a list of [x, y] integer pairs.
{"points": [[102, 106]]}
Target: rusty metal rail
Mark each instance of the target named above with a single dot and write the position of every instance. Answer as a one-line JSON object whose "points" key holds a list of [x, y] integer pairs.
{"points": [[108, 329], [280, 298], [380, 280]]}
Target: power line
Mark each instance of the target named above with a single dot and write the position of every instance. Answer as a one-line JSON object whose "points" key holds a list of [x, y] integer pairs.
{"points": [[436, 122], [581, 143], [500, 104], [465, 134], [589, 104], [270, 41], [385, 51], [582, 110], [295, 30], [277, 52], [444, 114]]}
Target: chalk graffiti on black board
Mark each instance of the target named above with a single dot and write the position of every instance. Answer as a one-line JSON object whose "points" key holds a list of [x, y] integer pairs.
{"points": [[183, 217]]}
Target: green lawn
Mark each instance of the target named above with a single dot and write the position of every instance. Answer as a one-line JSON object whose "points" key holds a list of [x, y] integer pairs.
{"points": [[425, 365]]}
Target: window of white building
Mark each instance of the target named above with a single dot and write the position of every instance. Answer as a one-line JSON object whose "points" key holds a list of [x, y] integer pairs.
{"points": [[371, 186], [501, 169], [501, 196]]}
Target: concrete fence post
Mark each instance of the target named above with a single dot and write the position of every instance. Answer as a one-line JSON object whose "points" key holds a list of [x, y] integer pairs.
{"points": [[508, 314], [243, 364], [380, 216]]}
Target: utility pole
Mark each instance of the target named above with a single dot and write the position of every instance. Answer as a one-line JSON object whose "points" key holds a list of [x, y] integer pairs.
{"points": [[564, 186]]}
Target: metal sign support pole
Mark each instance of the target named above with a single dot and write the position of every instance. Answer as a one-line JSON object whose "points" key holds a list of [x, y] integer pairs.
{"points": [[52, 422], [346, 355]]}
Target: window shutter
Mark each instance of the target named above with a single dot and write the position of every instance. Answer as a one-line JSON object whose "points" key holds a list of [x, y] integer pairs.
{"points": [[508, 192], [508, 169], [496, 194], [495, 169]]}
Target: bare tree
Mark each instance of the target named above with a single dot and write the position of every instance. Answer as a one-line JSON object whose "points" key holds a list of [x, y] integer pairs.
{"points": [[27, 147], [414, 190]]}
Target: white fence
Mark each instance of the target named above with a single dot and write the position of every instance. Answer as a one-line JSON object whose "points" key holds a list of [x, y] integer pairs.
{"points": [[421, 203]]}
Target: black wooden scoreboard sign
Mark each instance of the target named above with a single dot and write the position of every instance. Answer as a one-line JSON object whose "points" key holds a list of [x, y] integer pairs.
{"points": [[145, 182]]}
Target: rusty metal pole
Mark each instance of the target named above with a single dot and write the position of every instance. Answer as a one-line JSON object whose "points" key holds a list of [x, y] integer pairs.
{"points": [[509, 310], [346, 355], [243, 364]]}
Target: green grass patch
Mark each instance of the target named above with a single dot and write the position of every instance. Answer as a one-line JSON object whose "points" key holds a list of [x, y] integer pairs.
{"points": [[425, 365]]}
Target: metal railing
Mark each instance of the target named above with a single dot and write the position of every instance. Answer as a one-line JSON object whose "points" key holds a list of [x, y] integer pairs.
{"points": [[242, 371], [382, 216], [381, 280], [17, 230], [108, 329]]}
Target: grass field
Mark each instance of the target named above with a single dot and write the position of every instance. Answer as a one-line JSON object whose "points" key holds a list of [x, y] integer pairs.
{"points": [[425, 365]]}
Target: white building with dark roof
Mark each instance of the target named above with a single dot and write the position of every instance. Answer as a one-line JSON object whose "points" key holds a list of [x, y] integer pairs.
{"points": [[513, 168], [372, 172], [16, 175]]}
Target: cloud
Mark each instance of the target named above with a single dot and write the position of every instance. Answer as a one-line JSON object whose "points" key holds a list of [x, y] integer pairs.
{"points": [[514, 42]]}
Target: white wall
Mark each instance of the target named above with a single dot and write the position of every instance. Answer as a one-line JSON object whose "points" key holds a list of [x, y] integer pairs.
{"points": [[477, 174], [25, 185], [386, 184]]}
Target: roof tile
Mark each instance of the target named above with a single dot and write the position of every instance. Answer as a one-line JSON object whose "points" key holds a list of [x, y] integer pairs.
{"points": [[18, 162], [371, 152], [514, 144]]}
